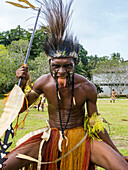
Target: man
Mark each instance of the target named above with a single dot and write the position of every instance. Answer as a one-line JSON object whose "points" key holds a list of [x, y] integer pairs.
{"points": [[41, 102], [66, 93]]}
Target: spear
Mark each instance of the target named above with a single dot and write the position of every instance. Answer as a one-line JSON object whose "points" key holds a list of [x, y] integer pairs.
{"points": [[30, 44], [5, 145]]}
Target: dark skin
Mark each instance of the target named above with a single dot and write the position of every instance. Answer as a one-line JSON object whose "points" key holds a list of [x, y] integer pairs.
{"points": [[103, 153]]}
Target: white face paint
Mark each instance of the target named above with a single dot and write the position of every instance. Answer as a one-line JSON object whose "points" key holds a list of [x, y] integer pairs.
{"points": [[62, 70]]}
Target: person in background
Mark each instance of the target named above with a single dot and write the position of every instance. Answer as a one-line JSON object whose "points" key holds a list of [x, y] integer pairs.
{"points": [[113, 96], [41, 102]]}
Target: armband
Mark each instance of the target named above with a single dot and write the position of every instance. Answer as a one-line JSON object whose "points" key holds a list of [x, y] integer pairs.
{"points": [[28, 89], [94, 125], [31, 91], [36, 94]]}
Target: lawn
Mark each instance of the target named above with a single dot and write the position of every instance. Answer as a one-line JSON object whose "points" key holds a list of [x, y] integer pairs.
{"points": [[115, 113]]}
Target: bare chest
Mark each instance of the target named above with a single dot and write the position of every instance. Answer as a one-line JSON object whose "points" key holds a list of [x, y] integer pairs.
{"points": [[64, 96]]}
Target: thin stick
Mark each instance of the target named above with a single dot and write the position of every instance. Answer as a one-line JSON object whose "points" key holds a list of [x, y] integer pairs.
{"points": [[30, 44]]}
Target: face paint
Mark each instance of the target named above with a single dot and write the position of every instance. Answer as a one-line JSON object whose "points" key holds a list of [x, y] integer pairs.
{"points": [[62, 72]]}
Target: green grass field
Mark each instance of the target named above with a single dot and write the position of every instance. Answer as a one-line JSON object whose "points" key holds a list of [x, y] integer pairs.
{"points": [[114, 113]]}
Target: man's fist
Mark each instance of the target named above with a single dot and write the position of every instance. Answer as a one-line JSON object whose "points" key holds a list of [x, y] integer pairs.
{"points": [[23, 72]]}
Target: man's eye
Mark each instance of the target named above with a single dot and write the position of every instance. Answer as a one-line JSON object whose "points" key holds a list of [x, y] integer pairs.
{"points": [[68, 66], [55, 66]]}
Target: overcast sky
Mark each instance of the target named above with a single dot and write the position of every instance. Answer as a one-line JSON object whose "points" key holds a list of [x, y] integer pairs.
{"points": [[100, 25]]}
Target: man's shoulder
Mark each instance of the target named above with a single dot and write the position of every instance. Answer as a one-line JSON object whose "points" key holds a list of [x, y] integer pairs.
{"points": [[45, 77], [85, 83], [81, 79], [43, 80]]}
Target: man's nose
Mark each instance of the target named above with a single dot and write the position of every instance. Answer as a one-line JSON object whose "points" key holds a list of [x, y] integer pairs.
{"points": [[61, 70]]}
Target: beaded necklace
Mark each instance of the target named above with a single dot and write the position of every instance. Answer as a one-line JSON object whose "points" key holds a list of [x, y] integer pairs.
{"points": [[57, 90]]}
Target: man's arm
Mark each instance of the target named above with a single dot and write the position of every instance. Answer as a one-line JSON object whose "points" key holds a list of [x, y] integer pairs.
{"points": [[34, 94], [92, 108]]}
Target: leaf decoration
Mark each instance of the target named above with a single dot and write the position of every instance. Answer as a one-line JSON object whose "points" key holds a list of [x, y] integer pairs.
{"points": [[28, 3], [17, 5]]}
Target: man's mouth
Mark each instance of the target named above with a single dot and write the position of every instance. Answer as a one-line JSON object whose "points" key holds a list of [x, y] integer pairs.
{"points": [[62, 81]]}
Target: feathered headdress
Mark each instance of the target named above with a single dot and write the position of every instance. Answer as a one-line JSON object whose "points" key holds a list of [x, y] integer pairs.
{"points": [[59, 42]]}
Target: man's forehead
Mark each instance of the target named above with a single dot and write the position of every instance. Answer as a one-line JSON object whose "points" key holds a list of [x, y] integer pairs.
{"points": [[62, 60]]}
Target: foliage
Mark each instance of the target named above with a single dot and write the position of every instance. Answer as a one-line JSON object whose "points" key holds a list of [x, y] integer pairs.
{"points": [[116, 56], [99, 89], [17, 51], [13, 57], [18, 47], [112, 72], [83, 56], [16, 41], [7, 37], [3, 51], [38, 66], [37, 45], [87, 63], [6, 69], [92, 61], [82, 62]]}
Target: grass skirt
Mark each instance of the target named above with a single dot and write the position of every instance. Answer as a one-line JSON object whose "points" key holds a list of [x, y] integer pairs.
{"points": [[76, 160]]}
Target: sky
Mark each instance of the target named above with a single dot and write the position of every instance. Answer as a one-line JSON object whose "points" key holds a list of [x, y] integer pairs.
{"points": [[101, 26]]}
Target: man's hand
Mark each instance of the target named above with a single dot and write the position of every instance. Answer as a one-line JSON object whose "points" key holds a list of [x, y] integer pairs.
{"points": [[24, 73], [126, 158]]}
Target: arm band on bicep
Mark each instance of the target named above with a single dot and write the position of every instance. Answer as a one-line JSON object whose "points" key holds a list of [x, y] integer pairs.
{"points": [[94, 125], [36, 94]]}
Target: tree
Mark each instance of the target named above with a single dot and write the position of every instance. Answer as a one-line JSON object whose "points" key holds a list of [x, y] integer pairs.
{"points": [[6, 70], [7, 37], [87, 63], [116, 56], [38, 66], [13, 57], [112, 72], [92, 63], [37, 45], [17, 51], [82, 62]]}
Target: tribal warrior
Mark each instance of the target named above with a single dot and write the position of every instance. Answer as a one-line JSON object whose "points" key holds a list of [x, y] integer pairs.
{"points": [[66, 93]]}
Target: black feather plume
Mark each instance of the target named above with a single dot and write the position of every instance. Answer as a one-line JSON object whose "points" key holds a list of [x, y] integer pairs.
{"points": [[57, 17]]}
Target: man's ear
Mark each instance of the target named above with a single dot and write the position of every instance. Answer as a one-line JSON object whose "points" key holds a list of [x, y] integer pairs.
{"points": [[49, 61], [76, 61]]}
